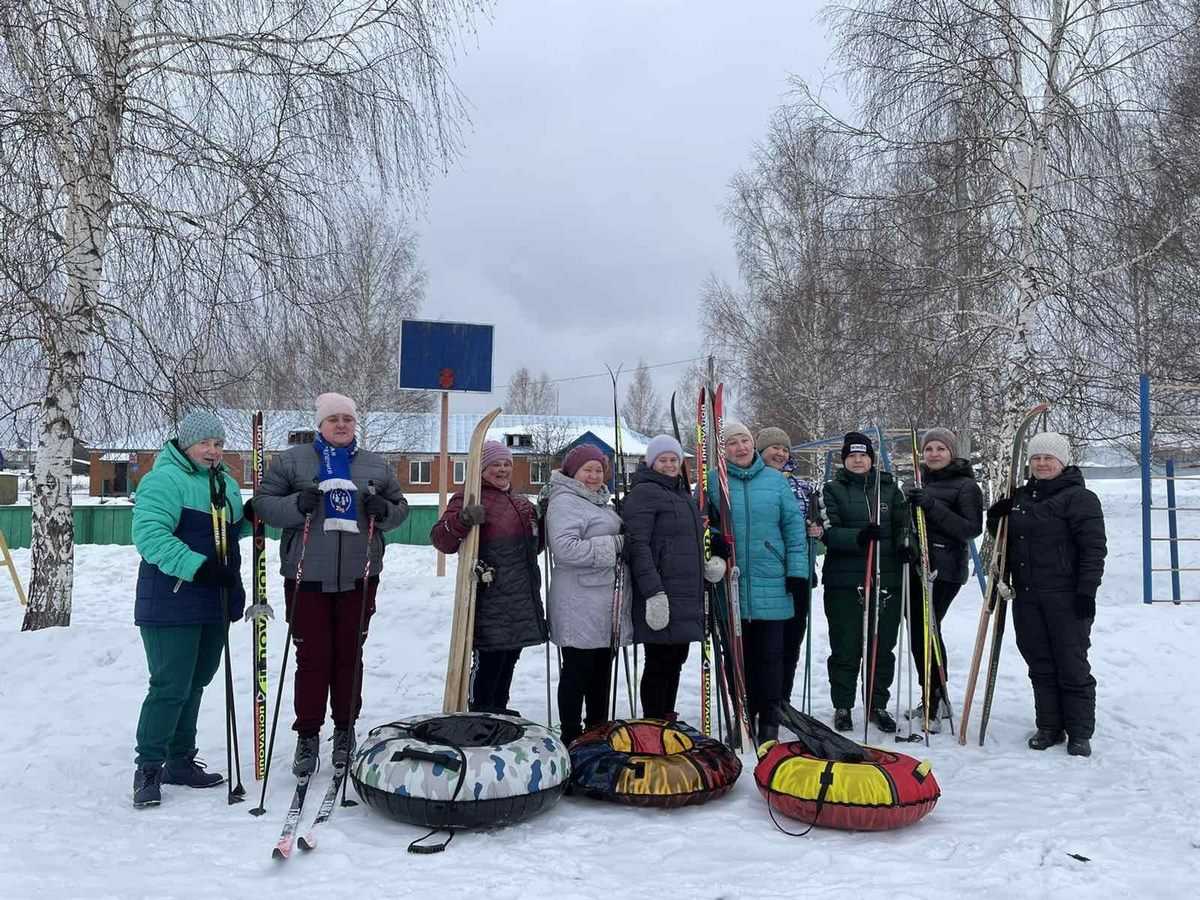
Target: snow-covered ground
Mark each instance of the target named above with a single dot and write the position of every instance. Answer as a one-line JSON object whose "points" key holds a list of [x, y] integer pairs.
{"points": [[1008, 820]]}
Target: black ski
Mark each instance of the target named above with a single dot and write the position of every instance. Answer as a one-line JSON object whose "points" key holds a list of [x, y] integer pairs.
{"points": [[308, 840], [283, 849]]}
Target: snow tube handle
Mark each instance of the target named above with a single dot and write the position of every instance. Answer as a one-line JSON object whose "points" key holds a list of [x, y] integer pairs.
{"points": [[449, 760]]}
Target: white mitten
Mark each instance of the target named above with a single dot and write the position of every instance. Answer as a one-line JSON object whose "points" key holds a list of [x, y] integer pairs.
{"points": [[658, 611], [714, 569]]}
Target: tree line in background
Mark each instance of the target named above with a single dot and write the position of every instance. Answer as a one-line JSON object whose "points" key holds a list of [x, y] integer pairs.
{"points": [[179, 193], [1005, 212]]}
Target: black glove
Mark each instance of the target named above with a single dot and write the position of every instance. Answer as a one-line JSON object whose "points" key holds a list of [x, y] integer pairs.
{"points": [[375, 507], [307, 500], [999, 509], [248, 510], [215, 574], [795, 585], [1085, 606], [918, 497], [718, 545], [472, 515], [869, 533], [907, 553], [617, 503]]}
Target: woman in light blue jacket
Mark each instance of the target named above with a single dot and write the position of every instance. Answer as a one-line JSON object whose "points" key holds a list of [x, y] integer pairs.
{"points": [[772, 553]]}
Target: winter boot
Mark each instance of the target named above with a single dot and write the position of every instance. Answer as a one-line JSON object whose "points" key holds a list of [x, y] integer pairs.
{"points": [[842, 720], [1046, 737], [767, 731], [883, 720], [190, 773], [1079, 746], [343, 746], [569, 732], [308, 748], [147, 781]]}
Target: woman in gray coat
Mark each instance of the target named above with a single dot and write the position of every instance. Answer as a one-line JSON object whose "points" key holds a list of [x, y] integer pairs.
{"points": [[583, 532]]}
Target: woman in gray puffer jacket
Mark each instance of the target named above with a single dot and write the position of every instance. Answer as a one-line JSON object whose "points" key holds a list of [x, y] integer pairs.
{"points": [[583, 532]]}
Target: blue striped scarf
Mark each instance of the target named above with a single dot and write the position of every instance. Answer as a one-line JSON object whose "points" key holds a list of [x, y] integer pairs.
{"points": [[333, 472]]}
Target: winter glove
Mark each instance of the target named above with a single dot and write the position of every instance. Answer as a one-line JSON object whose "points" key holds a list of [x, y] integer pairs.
{"points": [[869, 533], [375, 507], [658, 611], [795, 585], [718, 545], [307, 500], [215, 574], [248, 510], [918, 498], [907, 553], [998, 511], [714, 569], [1085, 606], [472, 514]]}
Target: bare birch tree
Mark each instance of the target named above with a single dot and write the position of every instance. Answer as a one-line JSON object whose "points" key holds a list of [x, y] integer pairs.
{"points": [[168, 160], [529, 395], [642, 408]]}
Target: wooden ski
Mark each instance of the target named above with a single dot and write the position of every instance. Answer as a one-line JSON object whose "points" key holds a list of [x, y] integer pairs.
{"points": [[462, 624]]}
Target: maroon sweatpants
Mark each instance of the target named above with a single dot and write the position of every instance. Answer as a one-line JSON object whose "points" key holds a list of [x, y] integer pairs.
{"points": [[325, 632]]}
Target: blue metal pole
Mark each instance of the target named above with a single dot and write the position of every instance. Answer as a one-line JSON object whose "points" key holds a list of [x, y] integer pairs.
{"points": [[978, 564], [1147, 547], [1172, 531]]}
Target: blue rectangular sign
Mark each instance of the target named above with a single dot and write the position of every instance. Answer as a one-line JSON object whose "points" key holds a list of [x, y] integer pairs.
{"points": [[445, 356]]}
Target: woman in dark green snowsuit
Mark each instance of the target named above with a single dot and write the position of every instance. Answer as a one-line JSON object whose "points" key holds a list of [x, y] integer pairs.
{"points": [[849, 520]]}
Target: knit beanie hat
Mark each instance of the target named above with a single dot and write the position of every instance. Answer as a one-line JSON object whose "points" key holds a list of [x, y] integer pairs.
{"points": [[857, 442], [494, 452], [580, 454], [945, 435], [772, 437], [733, 428], [334, 404], [198, 425], [1051, 443], [661, 444]]}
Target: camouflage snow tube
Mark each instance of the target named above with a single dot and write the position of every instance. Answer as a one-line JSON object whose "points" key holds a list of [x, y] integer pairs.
{"points": [[461, 770], [652, 762]]}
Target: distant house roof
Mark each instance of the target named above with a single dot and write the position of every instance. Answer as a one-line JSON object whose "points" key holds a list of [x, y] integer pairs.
{"points": [[397, 433]]}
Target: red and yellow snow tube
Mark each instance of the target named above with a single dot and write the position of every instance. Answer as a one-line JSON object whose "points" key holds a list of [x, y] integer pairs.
{"points": [[887, 790], [651, 762]]}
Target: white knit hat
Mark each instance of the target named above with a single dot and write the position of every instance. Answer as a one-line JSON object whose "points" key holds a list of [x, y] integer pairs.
{"points": [[332, 405], [1051, 443]]}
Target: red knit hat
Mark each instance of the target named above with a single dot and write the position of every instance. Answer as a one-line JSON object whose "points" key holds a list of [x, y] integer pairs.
{"points": [[580, 454]]}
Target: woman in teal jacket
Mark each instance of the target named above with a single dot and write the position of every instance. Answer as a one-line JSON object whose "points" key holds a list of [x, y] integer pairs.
{"points": [[772, 554], [179, 607]]}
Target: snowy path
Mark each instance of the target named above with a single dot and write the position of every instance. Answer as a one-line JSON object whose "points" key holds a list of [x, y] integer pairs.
{"points": [[1006, 823]]}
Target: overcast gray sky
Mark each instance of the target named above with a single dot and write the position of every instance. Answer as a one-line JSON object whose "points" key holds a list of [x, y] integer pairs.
{"points": [[586, 210]]}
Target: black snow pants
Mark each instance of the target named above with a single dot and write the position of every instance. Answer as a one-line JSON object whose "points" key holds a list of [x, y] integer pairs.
{"points": [[1054, 642]]}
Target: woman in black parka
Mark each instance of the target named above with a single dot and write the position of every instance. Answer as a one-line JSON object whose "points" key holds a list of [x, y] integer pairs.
{"points": [[664, 547], [953, 506], [1056, 550]]}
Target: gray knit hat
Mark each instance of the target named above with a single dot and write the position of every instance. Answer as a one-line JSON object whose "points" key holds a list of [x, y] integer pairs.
{"points": [[733, 427], [945, 435], [1051, 443], [661, 444], [772, 437], [198, 425]]}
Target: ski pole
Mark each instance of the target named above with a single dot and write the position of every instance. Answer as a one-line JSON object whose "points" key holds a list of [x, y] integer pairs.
{"points": [[362, 626], [261, 808], [217, 500]]}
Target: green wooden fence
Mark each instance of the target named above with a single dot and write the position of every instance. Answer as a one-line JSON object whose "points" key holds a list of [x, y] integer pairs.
{"points": [[114, 525]]}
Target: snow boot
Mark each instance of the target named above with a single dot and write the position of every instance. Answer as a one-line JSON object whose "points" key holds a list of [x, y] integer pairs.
{"points": [[883, 720], [1046, 737], [343, 746], [842, 720], [570, 733], [147, 785], [190, 773], [308, 748], [1079, 746]]}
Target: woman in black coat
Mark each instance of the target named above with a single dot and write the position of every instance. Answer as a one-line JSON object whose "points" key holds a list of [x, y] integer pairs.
{"points": [[953, 505], [664, 547], [1056, 550]]}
